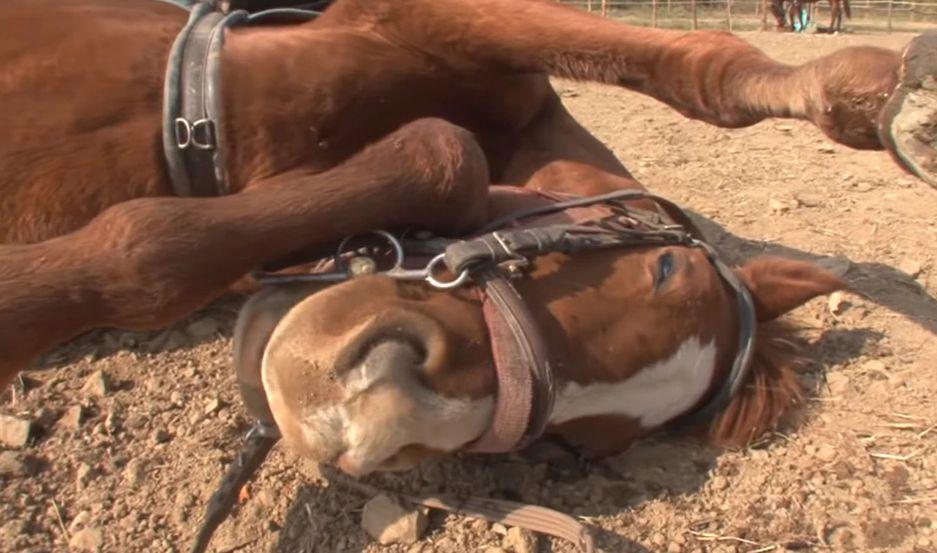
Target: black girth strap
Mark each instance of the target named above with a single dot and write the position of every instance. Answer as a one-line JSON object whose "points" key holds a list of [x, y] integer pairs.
{"points": [[192, 103]]}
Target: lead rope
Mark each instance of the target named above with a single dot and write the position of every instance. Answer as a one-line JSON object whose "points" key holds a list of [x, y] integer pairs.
{"points": [[263, 436], [257, 445], [530, 517]]}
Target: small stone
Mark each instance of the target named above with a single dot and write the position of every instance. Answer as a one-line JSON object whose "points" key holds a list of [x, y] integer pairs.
{"points": [[910, 267], [874, 366], [826, 148], [14, 464], [135, 472], [72, 418], [266, 498], [862, 187], [778, 206], [98, 384], [826, 453], [658, 539], [389, 522], [520, 540], [838, 383], [202, 328], [499, 529], [14, 432], [444, 544], [719, 483], [79, 522], [479, 526], [212, 406], [160, 436], [837, 303], [784, 128], [176, 399], [810, 200], [84, 475], [89, 539], [111, 422]]}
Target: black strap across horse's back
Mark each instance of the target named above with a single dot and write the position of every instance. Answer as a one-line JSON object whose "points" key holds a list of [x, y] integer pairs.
{"points": [[193, 113]]}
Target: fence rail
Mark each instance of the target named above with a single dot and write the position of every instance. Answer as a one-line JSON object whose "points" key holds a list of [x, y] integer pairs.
{"points": [[867, 15]]}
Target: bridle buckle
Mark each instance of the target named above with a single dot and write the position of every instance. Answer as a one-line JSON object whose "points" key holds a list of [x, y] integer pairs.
{"points": [[516, 263], [199, 134]]}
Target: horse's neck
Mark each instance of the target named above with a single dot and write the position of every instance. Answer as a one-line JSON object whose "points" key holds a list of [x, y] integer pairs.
{"points": [[269, 103]]}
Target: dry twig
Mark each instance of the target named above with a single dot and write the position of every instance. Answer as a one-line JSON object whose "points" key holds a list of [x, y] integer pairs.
{"points": [[58, 516]]}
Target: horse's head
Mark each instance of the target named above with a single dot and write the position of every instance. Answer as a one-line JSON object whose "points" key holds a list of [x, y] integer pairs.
{"points": [[377, 374]]}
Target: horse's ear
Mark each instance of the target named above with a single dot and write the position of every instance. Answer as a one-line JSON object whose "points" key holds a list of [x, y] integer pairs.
{"points": [[779, 285]]}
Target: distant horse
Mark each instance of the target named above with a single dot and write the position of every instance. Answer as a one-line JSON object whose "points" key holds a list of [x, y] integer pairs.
{"points": [[800, 16]]}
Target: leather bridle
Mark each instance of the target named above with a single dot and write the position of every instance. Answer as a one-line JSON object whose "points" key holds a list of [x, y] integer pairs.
{"points": [[497, 254]]}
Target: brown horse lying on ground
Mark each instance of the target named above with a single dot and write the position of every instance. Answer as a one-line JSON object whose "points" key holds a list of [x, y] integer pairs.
{"points": [[81, 95]]}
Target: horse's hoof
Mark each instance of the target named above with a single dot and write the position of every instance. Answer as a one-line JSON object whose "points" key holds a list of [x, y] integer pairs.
{"points": [[908, 122]]}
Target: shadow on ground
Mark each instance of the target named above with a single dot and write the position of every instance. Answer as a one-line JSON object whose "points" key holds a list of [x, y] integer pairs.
{"points": [[877, 282]]}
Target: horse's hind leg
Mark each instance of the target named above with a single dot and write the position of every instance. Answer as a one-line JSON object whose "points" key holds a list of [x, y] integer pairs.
{"points": [[144, 263], [908, 125], [708, 75]]}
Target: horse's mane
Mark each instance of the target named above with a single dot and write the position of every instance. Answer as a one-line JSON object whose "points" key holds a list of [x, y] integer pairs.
{"points": [[772, 390]]}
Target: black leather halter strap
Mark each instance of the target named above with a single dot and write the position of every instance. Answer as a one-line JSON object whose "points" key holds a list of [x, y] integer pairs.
{"points": [[512, 248], [192, 103]]}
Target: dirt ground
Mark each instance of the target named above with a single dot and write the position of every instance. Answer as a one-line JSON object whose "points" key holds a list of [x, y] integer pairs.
{"points": [[857, 472]]}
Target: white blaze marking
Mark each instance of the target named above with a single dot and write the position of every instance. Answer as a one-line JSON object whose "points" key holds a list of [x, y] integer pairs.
{"points": [[653, 396]]}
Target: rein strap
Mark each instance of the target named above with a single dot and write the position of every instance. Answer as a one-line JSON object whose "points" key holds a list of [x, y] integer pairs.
{"points": [[530, 517]]}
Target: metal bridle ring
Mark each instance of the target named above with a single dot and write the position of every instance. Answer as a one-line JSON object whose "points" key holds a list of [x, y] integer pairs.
{"points": [[391, 239], [442, 285]]}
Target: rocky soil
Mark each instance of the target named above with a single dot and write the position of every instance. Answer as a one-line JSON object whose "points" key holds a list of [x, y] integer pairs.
{"points": [[129, 432]]}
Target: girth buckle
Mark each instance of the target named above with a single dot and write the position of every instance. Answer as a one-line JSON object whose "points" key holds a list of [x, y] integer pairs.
{"points": [[200, 134]]}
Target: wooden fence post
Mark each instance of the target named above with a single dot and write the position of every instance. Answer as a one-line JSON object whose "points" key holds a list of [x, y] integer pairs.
{"points": [[764, 14], [589, 5], [890, 3], [695, 21], [604, 8], [729, 14], [654, 13], [668, 8]]}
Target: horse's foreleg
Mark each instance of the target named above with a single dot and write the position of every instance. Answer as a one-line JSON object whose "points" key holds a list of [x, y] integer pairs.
{"points": [[708, 75], [144, 263]]}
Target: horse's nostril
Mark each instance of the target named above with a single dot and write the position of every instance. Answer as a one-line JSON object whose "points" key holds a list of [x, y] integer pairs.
{"points": [[380, 346], [394, 352]]}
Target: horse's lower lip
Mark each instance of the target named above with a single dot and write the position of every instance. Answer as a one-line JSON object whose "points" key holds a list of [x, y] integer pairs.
{"points": [[349, 467]]}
